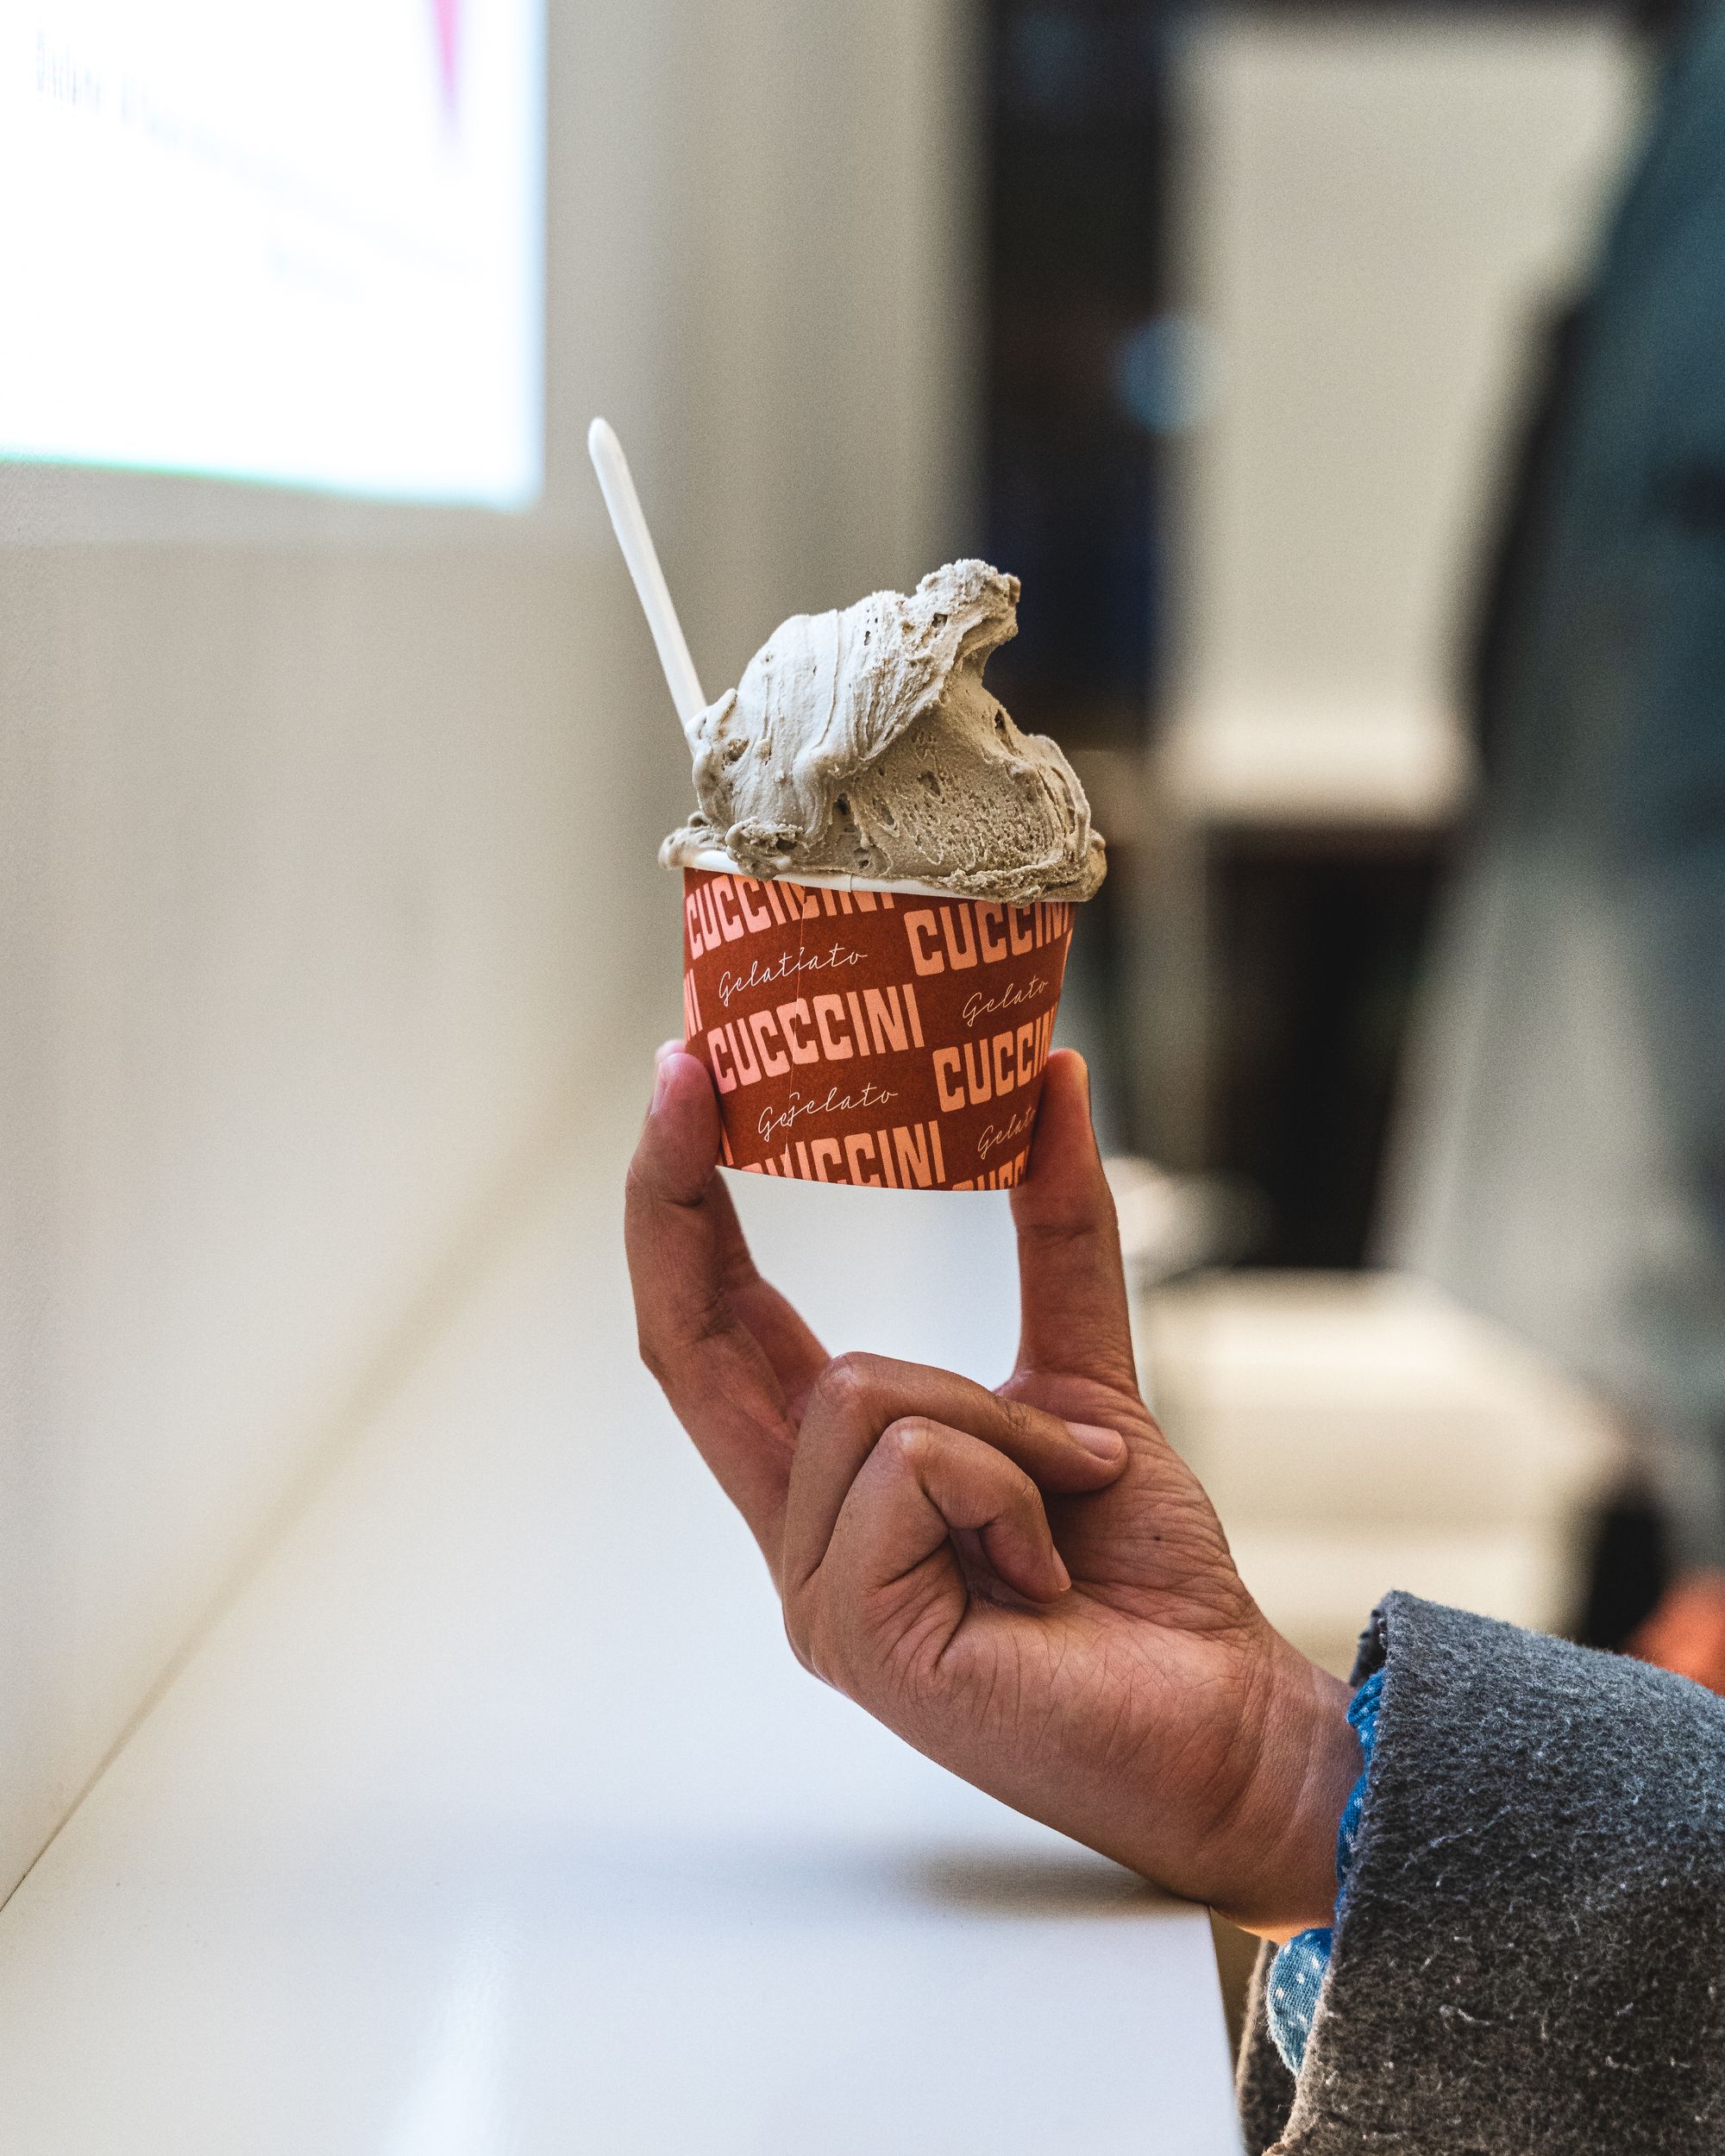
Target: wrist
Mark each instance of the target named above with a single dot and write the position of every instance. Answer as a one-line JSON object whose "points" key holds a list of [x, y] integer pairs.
{"points": [[1279, 1863]]}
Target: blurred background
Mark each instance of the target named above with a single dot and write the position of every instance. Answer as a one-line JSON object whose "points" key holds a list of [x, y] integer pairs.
{"points": [[335, 764], [1268, 300]]}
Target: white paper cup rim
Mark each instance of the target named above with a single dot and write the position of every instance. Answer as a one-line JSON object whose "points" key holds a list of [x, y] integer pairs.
{"points": [[713, 862]]}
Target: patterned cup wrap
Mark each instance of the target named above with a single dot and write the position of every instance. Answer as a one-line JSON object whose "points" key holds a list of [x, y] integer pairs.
{"points": [[871, 1037]]}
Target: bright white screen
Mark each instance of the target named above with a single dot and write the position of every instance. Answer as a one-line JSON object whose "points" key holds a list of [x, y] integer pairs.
{"points": [[285, 240]]}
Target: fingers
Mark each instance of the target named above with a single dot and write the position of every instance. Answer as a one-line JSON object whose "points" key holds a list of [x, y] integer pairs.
{"points": [[859, 1397], [923, 1482], [1071, 1283], [693, 1282], [796, 1355]]}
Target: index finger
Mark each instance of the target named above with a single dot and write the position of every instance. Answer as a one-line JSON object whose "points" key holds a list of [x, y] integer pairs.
{"points": [[859, 1396], [1072, 1287], [693, 1282]]}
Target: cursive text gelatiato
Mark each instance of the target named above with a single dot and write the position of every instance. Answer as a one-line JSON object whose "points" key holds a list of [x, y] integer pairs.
{"points": [[785, 967]]}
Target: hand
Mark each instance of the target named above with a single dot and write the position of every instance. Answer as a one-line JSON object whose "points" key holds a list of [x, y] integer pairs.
{"points": [[1028, 1585], [1686, 1631]]}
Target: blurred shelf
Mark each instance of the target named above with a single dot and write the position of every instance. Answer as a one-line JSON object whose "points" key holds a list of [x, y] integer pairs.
{"points": [[1361, 1431], [1318, 1586], [1279, 767]]}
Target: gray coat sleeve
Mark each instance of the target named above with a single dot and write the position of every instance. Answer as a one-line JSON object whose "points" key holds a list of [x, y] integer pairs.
{"points": [[1531, 1956]]}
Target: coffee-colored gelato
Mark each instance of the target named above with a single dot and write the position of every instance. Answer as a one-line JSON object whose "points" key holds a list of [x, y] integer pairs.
{"points": [[863, 744]]}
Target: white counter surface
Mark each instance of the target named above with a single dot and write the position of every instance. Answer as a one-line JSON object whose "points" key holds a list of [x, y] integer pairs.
{"points": [[494, 1816]]}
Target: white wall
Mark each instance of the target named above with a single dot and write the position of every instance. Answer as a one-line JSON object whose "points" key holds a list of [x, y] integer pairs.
{"points": [[832, 306], [326, 831]]}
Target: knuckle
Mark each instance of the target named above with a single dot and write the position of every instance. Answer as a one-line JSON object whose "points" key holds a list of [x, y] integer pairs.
{"points": [[848, 1381], [1061, 1234], [1024, 1424], [911, 1438], [810, 1644], [1012, 1494], [796, 1632], [1024, 1496], [671, 1342]]}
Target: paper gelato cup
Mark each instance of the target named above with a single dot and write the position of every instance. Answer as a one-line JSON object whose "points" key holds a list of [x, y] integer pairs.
{"points": [[891, 1037]]}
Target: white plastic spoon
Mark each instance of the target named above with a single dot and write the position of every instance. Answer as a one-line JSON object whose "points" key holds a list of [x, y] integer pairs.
{"points": [[629, 521]]}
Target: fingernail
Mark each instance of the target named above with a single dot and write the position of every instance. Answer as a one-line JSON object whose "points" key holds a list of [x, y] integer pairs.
{"points": [[661, 1078], [1106, 1444], [1063, 1578], [666, 1048]]}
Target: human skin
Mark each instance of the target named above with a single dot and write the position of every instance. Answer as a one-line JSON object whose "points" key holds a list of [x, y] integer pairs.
{"points": [[1029, 1585]]}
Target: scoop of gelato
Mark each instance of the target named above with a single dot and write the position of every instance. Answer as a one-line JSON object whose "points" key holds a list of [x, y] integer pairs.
{"points": [[863, 744]]}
